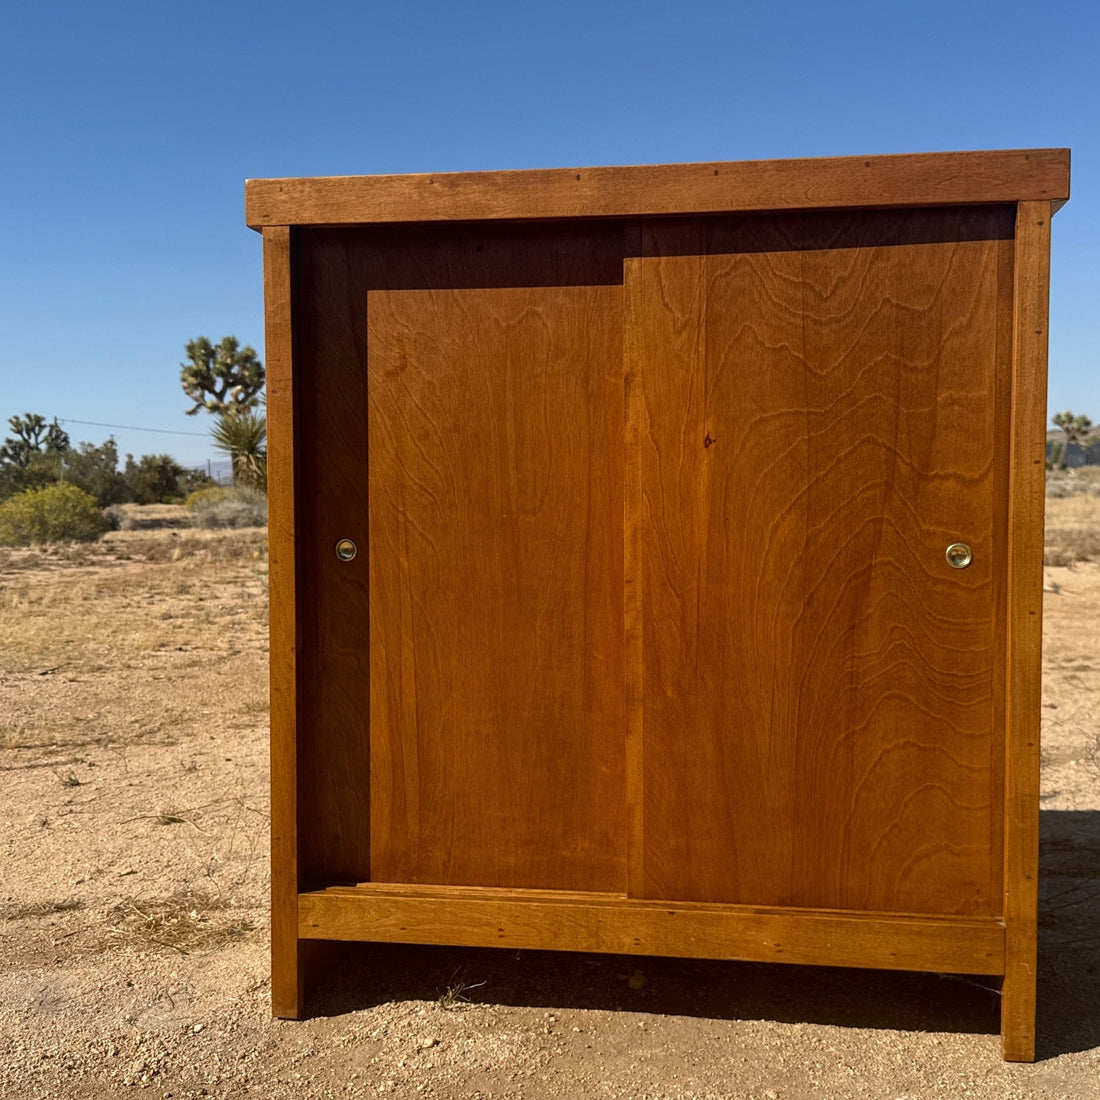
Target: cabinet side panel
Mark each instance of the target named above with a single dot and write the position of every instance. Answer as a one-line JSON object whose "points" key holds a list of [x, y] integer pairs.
{"points": [[496, 535], [820, 396], [334, 747], [285, 984], [1025, 629]]}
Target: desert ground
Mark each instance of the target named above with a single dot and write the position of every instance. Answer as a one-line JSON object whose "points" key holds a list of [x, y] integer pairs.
{"points": [[134, 874]]}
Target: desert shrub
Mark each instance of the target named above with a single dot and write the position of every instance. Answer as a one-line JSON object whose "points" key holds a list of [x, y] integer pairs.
{"points": [[192, 480], [153, 479], [227, 508], [1073, 529], [206, 496], [41, 469], [128, 517], [1070, 547], [245, 545], [95, 470], [53, 514], [1088, 478], [1076, 481]]}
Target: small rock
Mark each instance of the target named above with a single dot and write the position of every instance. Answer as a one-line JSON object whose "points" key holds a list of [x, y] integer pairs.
{"points": [[197, 1028], [427, 1044], [771, 1094]]}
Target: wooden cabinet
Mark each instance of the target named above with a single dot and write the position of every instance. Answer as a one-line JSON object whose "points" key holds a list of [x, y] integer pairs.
{"points": [[612, 600]]}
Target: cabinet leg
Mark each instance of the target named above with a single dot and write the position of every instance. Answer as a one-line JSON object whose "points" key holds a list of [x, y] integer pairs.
{"points": [[299, 970], [1018, 1012], [288, 976]]}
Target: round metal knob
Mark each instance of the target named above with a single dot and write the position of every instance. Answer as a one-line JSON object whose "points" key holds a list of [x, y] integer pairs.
{"points": [[959, 555], [346, 549]]}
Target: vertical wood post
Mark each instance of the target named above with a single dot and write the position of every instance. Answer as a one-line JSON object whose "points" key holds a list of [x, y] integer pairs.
{"points": [[633, 593], [1025, 627], [286, 978]]}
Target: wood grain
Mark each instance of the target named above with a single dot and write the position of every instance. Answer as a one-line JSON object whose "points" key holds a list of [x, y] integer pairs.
{"points": [[496, 487], [929, 179], [334, 749], [818, 710], [286, 985], [650, 645], [571, 922], [633, 587], [1025, 628]]}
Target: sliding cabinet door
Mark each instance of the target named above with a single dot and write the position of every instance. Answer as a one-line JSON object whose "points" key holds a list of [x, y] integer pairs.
{"points": [[495, 428], [817, 410]]}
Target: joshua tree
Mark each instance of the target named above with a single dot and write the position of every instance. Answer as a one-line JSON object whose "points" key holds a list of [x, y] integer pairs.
{"points": [[33, 436], [228, 380], [31, 457], [225, 378], [1076, 429]]}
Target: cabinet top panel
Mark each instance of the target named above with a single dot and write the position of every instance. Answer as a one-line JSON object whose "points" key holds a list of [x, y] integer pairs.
{"points": [[914, 179]]}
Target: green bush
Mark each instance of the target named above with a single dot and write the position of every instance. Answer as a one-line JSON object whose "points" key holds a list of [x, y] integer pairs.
{"points": [[227, 508], [153, 479], [192, 480], [57, 513], [41, 470], [95, 470]]}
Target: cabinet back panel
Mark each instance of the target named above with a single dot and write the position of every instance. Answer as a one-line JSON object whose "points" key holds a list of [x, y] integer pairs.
{"points": [[820, 692]]}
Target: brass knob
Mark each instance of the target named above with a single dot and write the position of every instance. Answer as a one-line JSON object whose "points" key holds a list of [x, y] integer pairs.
{"points": [[959, 555], [346, 549]]}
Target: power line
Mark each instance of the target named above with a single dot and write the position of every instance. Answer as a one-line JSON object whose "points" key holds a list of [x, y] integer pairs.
{"points": [[128, 427]]}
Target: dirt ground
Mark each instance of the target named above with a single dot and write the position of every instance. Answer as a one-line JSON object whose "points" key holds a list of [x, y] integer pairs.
{"points": [[133, 883]]}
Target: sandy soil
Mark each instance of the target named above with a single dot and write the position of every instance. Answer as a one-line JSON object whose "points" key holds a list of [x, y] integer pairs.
{"points": [[133, 925]]}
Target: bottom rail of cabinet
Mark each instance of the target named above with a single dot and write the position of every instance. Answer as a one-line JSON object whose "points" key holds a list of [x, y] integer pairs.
{"points": [[551, 920]]}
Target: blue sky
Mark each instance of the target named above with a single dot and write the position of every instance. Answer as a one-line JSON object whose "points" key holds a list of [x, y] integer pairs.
{"points": [[127, 131]]}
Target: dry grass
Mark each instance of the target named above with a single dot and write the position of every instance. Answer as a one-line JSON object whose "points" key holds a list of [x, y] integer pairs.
{"points": [[141, 545], [1081, 481], [145, 639], [1073, 528], [166, 590], [38, 909], [13, 734], [184, 922], [135, 931], [209, 547], [150, 517]]}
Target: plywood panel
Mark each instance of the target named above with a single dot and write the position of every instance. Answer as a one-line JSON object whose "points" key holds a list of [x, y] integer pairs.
{"points": [[496, 621], [331, 502], [817, 683]]}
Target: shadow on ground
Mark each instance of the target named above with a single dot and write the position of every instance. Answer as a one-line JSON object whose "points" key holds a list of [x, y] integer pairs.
{"points": [[1069, 931], [357, 976]]}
